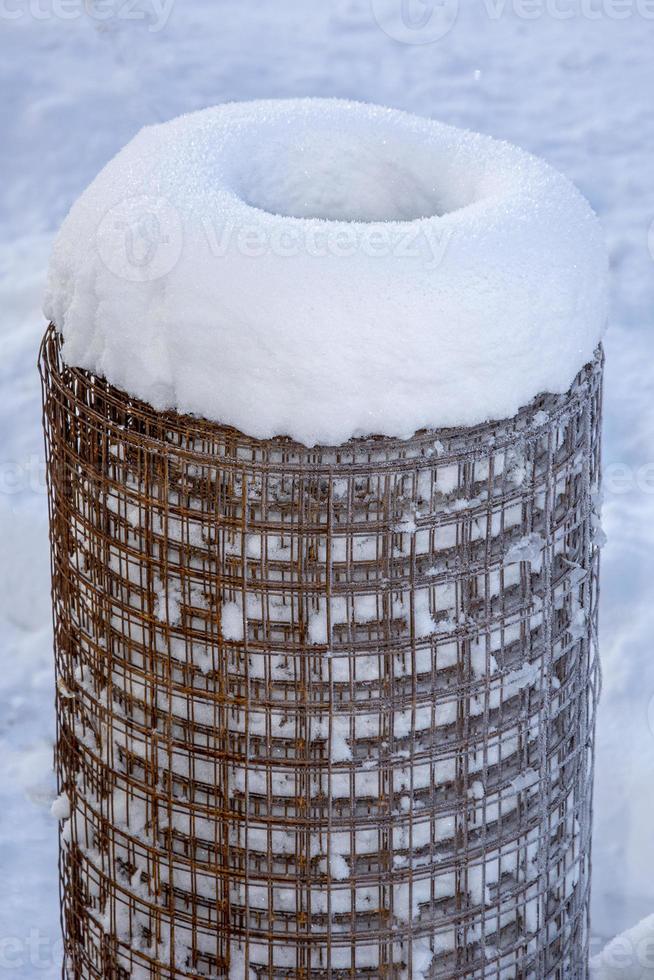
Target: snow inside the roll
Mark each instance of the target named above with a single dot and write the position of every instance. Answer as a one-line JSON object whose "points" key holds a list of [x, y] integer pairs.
{"points": [[324, 269]]}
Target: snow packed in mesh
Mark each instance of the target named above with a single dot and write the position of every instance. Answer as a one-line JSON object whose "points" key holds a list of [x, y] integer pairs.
{"points": [[326, 269]]}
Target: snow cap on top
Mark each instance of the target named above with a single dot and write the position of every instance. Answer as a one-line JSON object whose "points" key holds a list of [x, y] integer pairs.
{"points": [[325, 269]]}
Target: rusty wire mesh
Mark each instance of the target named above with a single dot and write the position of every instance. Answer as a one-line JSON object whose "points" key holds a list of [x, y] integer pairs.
{"points": [[329, 712]]}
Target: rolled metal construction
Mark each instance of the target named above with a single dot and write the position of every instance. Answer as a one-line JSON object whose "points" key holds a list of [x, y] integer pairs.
{"points": [[327, 712]]}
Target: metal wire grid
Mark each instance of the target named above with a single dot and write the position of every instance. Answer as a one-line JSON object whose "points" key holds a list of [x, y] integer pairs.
{"points": [[329, 712]]}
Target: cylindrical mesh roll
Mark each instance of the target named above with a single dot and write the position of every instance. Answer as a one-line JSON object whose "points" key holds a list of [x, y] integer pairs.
{"points": [[328, 712]]}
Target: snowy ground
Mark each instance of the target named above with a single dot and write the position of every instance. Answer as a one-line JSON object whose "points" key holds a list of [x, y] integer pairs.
{"points": [[570, 80]]}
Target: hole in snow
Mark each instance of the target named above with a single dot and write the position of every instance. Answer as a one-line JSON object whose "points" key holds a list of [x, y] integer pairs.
{"points": [[346, 177]]}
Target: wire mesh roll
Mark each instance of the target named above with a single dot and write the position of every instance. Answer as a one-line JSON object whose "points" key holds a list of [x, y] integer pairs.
{"points": [[328, 712]]}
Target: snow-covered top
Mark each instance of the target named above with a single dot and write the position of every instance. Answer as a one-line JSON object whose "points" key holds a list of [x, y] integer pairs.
{"points": [[325, 269]]}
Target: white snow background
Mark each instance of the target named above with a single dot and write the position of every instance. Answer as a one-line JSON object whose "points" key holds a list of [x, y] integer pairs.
{"points": [[570, 80]]}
